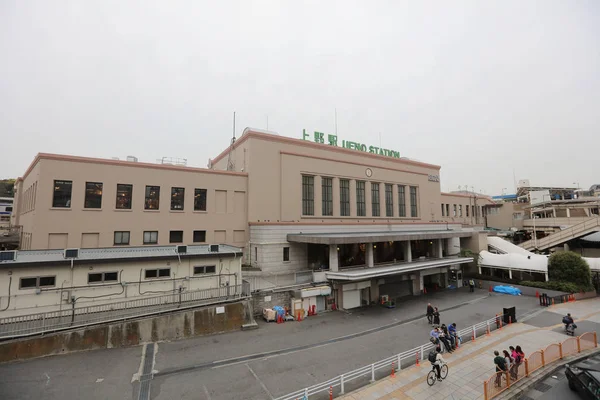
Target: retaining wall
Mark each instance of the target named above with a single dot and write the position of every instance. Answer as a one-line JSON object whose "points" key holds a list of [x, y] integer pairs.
{"points": [[269, 299], [179, 325]]}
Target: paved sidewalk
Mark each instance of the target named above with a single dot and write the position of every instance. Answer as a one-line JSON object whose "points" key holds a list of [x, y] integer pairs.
{"points": [[470, 365]]}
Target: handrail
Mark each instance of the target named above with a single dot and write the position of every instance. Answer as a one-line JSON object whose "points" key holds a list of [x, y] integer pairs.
{"points": [[570, 231], [472, 332]]}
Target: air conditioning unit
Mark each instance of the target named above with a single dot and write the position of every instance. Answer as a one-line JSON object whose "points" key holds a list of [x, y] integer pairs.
{"points": [[10, 255], [71, 253], [214, 248], [181, 249]]}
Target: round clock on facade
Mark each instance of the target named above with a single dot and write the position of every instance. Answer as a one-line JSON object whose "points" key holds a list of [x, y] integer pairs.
{"points": [[369, 172]]}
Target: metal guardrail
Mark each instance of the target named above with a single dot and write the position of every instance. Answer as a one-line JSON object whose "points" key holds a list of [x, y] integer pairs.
{"points": [[559, 236], [75, 317], [396, 361]]}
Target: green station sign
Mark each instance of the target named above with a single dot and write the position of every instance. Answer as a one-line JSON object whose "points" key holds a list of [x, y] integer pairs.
{"points": [[332, 140]]}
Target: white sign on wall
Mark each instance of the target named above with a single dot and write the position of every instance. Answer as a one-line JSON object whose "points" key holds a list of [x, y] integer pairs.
{"points": [[267, 298], [539, 196], [220, 310]]}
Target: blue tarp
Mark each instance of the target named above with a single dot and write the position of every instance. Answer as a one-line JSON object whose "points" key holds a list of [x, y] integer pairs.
{"points": [[279, 310], [507, 290]]}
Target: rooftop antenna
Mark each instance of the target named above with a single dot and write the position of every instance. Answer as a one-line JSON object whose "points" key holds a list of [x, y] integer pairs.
{"points": [[230, 159]]}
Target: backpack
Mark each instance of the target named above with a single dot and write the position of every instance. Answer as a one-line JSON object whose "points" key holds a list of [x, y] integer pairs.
{"points": [[518, 358], [432, 357]]}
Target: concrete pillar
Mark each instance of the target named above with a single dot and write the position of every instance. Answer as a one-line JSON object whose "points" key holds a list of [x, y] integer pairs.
{"points": [[566, 247], [368, 200], [374, 290], [547, 277], [417, 283], [335, 182], [509, 273], [382, 199], [440, 248], [333, 258], [352, 198], [395, 197], [408, 251], [318, 196], [568, 213], [369, 255], [478, 267]]}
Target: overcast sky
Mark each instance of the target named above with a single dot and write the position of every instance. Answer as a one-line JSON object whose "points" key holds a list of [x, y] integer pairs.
{"points": [[482, 88]]}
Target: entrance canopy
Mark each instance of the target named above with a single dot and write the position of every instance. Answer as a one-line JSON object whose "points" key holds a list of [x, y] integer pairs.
{"points": [[373, 237], [375, 272]]}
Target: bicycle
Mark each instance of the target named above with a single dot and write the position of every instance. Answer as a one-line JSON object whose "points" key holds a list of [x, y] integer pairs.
{"points": [[432, 375]]}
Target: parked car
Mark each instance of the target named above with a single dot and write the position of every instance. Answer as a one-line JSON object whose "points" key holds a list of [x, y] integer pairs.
{"points": [[584, 377]]}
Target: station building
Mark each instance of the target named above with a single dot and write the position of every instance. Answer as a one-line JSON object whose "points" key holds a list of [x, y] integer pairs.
{"points": [[305, 211]]}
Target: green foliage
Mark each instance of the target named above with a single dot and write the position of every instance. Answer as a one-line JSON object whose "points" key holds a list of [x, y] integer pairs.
{"points": [[569, 267], [566, 287], [7, 187]]}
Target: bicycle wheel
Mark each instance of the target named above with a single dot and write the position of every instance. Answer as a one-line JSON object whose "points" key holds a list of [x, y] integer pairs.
{"points": [[444, 371], [431, 378]]}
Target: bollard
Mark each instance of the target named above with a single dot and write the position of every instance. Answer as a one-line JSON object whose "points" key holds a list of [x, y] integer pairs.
{"points": [[372, 372], [330, 392], [474, 336], [417, 357], [553, 301], [342, 384], [510, 319], [487, 328], [399, 363], [393, 370]]}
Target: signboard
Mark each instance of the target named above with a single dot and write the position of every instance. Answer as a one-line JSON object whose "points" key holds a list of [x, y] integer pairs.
{"points": [[539, 196], [433, 178], [332, 140], [220, 310]]}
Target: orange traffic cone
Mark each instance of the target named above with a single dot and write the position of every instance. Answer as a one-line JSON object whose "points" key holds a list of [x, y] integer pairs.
{"points": [[393, 369], [537, 294], [417, 355]]}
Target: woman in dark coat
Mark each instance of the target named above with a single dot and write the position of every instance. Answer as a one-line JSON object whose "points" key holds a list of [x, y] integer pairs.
{"points": [[436, 316]]}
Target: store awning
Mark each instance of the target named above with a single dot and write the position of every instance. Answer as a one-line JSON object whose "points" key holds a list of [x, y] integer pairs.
{"points": [[373, 237], [375, 272]]}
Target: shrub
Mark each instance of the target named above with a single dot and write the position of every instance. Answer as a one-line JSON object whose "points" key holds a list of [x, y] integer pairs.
{"points": [[569, 267], [566, 287]]}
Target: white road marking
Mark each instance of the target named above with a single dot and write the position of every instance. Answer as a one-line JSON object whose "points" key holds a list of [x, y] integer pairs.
{"points": [[136, 376], [99, 380], [206, 392], [260, 382], [47, 379]]}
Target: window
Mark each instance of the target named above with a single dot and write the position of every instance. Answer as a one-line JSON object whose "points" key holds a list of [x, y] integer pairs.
{"points": [[327, 192], [308, 195], [199, 199], [256, 254], [8, 209], [447, 210], [286, 254], [176, 237], [517, 216], [414, 210], [37, 282], [375, 205], [460, 210], [177, 197], [208, 269], [344, 197], [401, 201], [454, 214], [100, 277], [443, 210], [152, 198], [93, 195], [389, 200], [124, 196], [361, 207], [121, 237], [62, 194], [150, 237], [467, 210], [158, 273], [199, 236]]}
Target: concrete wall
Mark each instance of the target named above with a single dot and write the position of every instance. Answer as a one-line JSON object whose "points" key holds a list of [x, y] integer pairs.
{"points": [[261, 300], [204, 321], [463, 202], [226, 202], [503, 216]]}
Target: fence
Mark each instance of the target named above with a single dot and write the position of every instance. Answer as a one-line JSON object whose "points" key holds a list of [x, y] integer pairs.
{"points": [[369, 373], [33, 324], [501, 381]]}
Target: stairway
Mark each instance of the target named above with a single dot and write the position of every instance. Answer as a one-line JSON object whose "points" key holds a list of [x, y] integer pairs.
{"points": [[581, 229]]}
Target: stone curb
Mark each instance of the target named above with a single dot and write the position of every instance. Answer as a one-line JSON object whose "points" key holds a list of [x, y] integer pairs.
{"points": [[521, 387]]}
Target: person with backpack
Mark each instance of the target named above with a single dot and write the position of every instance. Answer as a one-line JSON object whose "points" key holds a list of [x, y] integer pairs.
{"points": [[500, 367], [518, 357], [436, 359]]}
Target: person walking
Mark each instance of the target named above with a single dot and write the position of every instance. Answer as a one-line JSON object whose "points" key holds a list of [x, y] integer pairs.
{"points": [[436, 316], [429, 313], [500, 363], [471, 285], [519, 357], [509, 362]]}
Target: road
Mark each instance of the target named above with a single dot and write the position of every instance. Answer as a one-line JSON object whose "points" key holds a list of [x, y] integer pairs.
{"points": [[227, 367]]}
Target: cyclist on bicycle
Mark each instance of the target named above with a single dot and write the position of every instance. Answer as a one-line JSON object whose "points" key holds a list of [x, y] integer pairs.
{"points": [[439, 361]]}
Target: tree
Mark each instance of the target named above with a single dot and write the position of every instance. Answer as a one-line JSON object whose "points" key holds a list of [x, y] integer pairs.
{"points": [[566, 266], [7, 187]]}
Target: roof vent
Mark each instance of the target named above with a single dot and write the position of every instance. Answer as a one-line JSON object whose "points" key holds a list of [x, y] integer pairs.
{"points": [[132, 159], [181, 249], [71, 253], [214, 248], [8, 255]]}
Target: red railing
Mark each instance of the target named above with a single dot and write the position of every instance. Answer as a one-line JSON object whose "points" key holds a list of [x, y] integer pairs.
{"points": [[501, 381]]}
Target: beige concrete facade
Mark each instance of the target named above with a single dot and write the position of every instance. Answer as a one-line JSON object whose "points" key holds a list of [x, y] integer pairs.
{"points": [[506, 216], [47, 227]]}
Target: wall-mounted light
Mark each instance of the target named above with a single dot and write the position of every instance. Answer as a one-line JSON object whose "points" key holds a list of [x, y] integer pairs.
{"points": [[338, 249]]}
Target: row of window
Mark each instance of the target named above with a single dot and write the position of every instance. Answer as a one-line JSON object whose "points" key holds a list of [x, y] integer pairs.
{"points": [[457, 210], [308, 198], [151, 237], [109, 277], [124, 199]]}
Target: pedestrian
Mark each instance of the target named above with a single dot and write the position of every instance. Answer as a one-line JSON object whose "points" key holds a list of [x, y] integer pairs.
{"points": [[452, 331], [509, 362], [514, 366], [442, 337], [519, 357], [436, 316], [471, 285], [429, 313], [449, 336], [500, 367]]}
